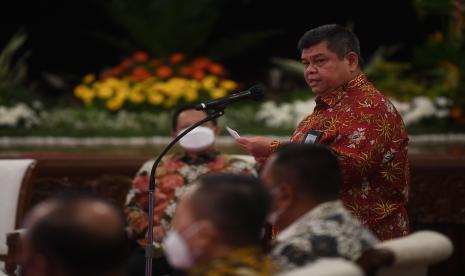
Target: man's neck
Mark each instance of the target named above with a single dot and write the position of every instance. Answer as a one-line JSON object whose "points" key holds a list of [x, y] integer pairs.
{"points": [[201, 156], [350, 77], [296, 211]]}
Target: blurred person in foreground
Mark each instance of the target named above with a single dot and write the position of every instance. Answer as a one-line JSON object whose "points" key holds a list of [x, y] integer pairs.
{"points": [[218, 227], [74, 237], [359, 124], [305, 182], [174, 174]]}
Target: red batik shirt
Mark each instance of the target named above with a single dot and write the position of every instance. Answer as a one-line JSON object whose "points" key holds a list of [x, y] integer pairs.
{"points": [[366, 132]]}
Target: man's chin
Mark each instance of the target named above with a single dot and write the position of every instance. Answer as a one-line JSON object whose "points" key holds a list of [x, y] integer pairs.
{"points": [[193, 152], [316, 91]]}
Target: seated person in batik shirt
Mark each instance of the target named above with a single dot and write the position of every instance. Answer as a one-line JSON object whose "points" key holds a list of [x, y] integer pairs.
{"points": [[178, 171], [305, 181]]}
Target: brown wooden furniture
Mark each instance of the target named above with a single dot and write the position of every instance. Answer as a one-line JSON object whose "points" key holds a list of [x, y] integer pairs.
{"points": [[23, 200], [109, 177]]}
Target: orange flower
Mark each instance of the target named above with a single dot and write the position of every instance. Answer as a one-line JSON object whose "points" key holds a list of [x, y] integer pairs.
{"points": [[177, 57], [164, 72], [201, 63], [198, 75], [216, 69], [456, 113], [140, 56], [140, 73]]}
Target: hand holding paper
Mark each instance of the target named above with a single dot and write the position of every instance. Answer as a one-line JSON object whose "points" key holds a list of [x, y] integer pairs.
{"points": [[233, 133]]}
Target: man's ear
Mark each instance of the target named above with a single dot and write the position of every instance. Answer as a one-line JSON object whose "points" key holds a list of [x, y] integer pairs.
{"points": [[353, 61]]}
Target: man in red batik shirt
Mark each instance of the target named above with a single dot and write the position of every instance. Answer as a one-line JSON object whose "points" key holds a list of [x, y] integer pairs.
{"points": [[359, 124]]}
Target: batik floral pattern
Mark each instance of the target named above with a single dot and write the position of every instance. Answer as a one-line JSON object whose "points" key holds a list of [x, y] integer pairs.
{"points": [[366, 132], [327, 231], [174, 174]]}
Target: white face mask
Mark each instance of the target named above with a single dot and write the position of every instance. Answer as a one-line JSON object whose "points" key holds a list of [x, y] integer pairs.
{"points": [[176, 249], [200, 138]]}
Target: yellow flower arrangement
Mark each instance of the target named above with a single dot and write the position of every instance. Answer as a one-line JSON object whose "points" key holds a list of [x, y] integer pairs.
{"points": [[164, 83]]}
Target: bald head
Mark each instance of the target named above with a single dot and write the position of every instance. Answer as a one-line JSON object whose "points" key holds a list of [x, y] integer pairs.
{"points": [[80, 236]]}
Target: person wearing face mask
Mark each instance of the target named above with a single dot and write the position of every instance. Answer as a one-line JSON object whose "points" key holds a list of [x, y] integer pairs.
{"points": [[224, 240], [174, 174], [304, 181]]}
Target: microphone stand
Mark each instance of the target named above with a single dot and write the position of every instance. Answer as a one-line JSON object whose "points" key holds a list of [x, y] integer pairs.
{"points": [[149, 247]]}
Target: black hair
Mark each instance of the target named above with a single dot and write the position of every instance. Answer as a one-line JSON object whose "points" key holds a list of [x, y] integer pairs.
{"points": [[313, 169], [71, 246], [174, 119], [236, 204], [340, 40]]}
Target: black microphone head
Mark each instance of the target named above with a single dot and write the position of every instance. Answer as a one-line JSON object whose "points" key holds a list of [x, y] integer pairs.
{"points": [[257, 92]]}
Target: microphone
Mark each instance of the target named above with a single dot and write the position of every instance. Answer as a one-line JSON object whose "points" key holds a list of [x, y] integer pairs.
{"points": [[255, 92]]}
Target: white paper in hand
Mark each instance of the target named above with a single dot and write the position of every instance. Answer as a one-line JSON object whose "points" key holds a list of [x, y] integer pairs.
{"points": [[233, 133]]}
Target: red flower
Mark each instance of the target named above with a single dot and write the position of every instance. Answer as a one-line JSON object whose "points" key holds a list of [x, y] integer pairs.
{"points": [[216, 69], [140, 56], [164, 72], [201, 63], [140, 73], [198, 75], [176, 58]]}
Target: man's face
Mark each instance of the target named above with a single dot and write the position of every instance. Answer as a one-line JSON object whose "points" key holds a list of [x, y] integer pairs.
{"points": [[200, 139], [198, 234], [324, 71], [190, 117]]}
